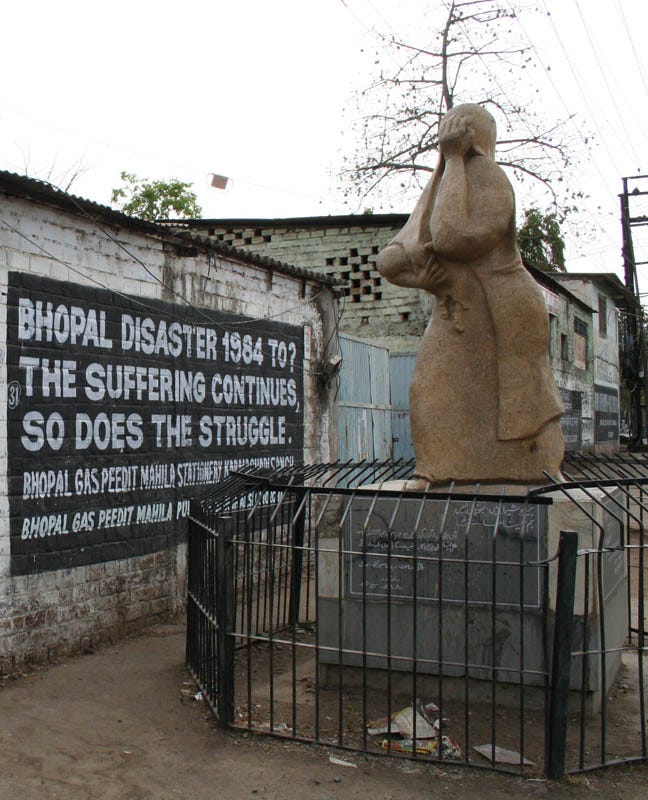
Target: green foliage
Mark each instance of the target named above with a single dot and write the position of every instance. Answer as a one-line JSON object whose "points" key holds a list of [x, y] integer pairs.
{"points": [[151, 200], [540, 240]]}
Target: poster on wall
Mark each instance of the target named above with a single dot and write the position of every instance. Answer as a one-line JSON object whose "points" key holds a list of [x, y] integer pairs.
{"points": [[606, 414], [571, 421], [121, 409]]}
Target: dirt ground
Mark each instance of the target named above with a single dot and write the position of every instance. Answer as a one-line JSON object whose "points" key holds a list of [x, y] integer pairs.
{"points": [[114, 724]]}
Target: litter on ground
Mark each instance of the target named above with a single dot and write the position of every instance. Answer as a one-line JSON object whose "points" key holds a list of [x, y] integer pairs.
{"points": [[501, 755]]}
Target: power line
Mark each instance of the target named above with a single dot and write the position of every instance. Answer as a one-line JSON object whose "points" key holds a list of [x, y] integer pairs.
{"points": [[524, 121], [142, 304], [373, 33], [155, 277], [582, 93], [640, 69], [79, 272], [605, 78], [570, 116], [179, 164]]}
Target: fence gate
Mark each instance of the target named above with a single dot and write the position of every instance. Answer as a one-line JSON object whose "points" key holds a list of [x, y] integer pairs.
{"points": [[326, 605]]}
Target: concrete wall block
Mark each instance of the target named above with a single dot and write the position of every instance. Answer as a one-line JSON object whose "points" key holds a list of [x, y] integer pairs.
{"points": [[11, 239], [33, 226], [5, 567], [60, 272], [17, 259]]}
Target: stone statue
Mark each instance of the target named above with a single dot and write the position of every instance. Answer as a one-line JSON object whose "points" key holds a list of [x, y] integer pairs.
{"points": [[484, 405]]}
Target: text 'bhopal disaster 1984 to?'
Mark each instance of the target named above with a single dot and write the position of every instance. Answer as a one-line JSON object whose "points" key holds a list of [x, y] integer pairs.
{"points": [[221, 383]]}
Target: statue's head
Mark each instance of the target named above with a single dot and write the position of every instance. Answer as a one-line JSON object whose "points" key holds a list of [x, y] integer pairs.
{"points": [[483, 125]]}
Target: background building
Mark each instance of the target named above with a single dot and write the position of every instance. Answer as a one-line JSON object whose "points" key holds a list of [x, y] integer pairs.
{"points": [[343, 247], [582, 308], [608, 298]]}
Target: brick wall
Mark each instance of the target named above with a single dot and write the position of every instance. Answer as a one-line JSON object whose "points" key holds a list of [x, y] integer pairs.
{"points": [[373, 309], [65, 612], [50, 613]]}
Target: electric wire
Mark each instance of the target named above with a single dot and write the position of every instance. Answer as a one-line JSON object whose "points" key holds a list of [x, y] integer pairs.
{"points": [[570, 117], [640, 69], [179, 164], [582, 93], [603, 72], [240, 323], [150, 308], [164, 285], [76, 271]]}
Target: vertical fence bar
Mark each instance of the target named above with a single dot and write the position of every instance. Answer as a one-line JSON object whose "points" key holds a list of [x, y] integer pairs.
{"points": [[209, 638], [556, 738], [585, 663], [641, 630], [297, 551], [225, 615], [247, 601], [193, 562], [365, 705]]}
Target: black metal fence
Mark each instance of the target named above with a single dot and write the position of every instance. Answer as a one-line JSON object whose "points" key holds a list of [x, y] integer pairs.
{"points": [[328, 604]]}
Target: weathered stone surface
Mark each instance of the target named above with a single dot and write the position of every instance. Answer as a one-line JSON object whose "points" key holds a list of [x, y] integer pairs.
{"points": [[483, 402]]}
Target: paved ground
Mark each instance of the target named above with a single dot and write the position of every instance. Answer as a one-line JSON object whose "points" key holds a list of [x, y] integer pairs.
{"points": [[113, 725]]}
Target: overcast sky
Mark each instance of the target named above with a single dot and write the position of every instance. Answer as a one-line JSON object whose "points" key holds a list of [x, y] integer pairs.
{"points": [[262, 92]]}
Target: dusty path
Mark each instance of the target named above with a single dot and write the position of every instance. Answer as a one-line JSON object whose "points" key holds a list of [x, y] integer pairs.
{"points": [[112, 725]]}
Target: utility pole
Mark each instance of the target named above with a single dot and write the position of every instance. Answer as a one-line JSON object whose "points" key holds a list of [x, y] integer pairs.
{"points": [[635, 371]]}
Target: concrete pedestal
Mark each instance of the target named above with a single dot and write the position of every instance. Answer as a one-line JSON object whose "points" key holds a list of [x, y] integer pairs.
{"points": [[467, 595]]}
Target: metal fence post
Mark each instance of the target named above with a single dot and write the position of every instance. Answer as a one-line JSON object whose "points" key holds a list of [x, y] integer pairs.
{"points": [[299, 528], [556, 733], [190, 644], [225, 617]]}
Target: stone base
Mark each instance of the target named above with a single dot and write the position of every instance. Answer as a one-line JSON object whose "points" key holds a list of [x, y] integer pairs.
{"points": [[452, 620]]}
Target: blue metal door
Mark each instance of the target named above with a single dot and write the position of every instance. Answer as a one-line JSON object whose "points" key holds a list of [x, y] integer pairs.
{"points": [[364, 402], [401, 367]]}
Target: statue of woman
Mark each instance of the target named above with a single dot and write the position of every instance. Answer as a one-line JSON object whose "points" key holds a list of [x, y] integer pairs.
{"points": [[484, 405]]}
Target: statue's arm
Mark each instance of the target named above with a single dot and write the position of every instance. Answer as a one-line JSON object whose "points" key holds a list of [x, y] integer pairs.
{"points": [[474, 209], [409, 259], [414, 268]]}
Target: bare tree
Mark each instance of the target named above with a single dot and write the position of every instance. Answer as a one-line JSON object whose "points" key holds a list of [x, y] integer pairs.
{"points": [[469, 60], [61, 178]]}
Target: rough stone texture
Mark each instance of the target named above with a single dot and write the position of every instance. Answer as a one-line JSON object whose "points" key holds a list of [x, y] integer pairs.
{"points": [[44, 616], [484, 405]]}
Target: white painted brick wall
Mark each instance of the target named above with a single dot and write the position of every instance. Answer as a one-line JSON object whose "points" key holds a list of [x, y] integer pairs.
{"points": [[47, 615], [397, 319]]}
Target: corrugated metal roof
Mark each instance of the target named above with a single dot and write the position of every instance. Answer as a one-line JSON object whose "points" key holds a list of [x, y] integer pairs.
{"points": [[43, 192], [547, 279], [607, 280], [329, 221], [227, 251]]}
